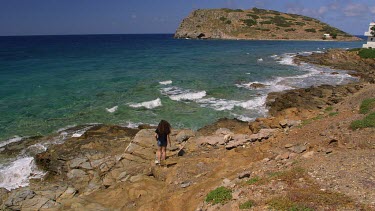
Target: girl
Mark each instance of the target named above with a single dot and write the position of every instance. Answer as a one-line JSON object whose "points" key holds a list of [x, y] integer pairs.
{"points": [[162, 138]]}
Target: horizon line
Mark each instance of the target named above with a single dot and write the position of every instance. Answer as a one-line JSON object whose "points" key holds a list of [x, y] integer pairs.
{"points": [[30, 35]]}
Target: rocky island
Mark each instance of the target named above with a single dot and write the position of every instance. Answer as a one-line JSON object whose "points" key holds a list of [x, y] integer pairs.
{"points": [[256, 24]]}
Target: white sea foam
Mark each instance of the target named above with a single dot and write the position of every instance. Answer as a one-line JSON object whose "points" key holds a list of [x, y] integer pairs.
{"points": [[260, 60], [12, 140], [18, 173], [178, 94], [111, 110], [165, 82], [287, 59], [148, 104], [66, 128]]}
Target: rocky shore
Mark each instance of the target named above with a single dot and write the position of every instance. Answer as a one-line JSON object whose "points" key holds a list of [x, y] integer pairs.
{"points": [[303, 156]]}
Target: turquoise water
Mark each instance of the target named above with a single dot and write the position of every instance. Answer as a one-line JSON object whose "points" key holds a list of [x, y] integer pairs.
{"points": [[51, 82]]}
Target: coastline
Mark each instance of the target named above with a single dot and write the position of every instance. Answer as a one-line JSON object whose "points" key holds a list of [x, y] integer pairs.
{"points": [[65, 164]]}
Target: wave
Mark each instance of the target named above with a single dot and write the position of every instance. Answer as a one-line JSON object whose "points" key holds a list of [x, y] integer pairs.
{"points": [[257, 103], [18, 173], [11, 140], [148, 104], [165, 82], [178, 94], [111, 110]]}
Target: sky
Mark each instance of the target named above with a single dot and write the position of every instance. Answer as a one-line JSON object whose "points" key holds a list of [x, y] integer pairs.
{"points": [[55, 17]]}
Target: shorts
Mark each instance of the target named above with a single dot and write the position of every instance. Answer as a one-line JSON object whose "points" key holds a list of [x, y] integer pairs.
{"points": [[162, 143]]}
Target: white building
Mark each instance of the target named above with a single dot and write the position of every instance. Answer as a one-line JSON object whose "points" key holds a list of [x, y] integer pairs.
{"points": [[371, 38]]}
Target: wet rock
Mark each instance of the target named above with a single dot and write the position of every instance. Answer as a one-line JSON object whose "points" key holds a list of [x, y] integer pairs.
{"points": [[3, 195], [257, 86], [184, 135], [17, 197]]}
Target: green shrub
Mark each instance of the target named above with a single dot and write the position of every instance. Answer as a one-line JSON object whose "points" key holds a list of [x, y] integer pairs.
{"points": [[222, 18], [354, 49], [310, 30], [259, 11], [290, 30], [367, 53], [368, 121], [219, 195], [228, 22], [266, 22], [253, 16], [334, 35], [300, 23], [367, 105], [249, 22], [307, 18], [247, 205], [231, 10], [333, 113]]}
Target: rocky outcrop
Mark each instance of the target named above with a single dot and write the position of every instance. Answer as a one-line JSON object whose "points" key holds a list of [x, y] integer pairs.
{"points": [[258, 24], [343, 60]]}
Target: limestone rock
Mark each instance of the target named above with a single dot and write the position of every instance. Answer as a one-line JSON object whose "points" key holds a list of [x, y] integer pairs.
{"points": [[76, 174], [184, 135], [298, 149], [223, 132], [308, 154], [245, 174], [17, 197]]}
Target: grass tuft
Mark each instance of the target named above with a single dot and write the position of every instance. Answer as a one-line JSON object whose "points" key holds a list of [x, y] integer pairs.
{"points": [[219, 195], [252, 180], [367, 105], [368, 121], [247, 205], [367, 53]]}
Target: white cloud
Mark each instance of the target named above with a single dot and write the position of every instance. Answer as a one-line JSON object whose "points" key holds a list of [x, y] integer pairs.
{"points": [[352, 10], [372, 9], [323, 10]]}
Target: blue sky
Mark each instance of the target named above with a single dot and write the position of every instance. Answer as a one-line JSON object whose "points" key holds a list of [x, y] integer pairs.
{"points": [[34, 17]]}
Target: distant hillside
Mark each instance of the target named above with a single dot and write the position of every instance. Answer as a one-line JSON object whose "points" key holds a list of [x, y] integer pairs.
{"points": [[256, 24]]}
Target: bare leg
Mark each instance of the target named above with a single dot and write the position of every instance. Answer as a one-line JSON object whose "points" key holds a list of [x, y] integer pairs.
{"points": [[164, 151], [159, 152]]}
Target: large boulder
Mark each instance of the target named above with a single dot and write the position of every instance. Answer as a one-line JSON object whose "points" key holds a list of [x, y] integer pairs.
{"points": [[184, 135]]}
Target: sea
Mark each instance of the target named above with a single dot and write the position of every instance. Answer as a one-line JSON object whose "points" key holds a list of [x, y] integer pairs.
{"points": [[49, 84]]}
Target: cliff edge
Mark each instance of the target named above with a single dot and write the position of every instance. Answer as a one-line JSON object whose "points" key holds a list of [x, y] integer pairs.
{"points": [[256, 24]]}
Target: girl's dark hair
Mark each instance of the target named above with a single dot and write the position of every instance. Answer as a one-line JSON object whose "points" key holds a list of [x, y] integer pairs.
{"points": [[164, 127]]}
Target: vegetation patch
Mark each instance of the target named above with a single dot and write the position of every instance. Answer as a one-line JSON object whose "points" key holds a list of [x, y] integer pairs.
{"points": [[290, 30], [311, 30], [300, 23], [252, 180], [253, 16], [284, 203], [366, 53], [367, 105], [333, 113], [219, 195], [266, 22], [259, 11], [368, 121], [222, 18], [231, 10], [249, 22], [228, 22], [247, 205]]}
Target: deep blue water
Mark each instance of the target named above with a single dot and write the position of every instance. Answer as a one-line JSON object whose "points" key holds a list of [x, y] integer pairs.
{"points": [[51, 82]]}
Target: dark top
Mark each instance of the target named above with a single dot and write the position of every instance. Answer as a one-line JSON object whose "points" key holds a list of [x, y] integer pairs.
{"points": [[162, 139]]}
